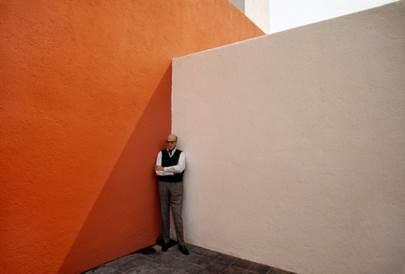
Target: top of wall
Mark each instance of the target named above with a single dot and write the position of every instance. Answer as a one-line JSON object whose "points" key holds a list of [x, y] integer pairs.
{"points": [[353, 18]]}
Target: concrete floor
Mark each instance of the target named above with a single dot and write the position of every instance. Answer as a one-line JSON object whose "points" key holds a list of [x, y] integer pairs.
{"points": [[199, 261]]}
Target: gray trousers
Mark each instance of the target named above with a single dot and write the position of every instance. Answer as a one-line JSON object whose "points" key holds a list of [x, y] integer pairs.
{"points": [[171, 196]]}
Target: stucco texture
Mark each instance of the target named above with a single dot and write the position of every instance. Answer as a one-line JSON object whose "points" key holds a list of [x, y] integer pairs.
{"points": [[297, 160], [84, 107]]}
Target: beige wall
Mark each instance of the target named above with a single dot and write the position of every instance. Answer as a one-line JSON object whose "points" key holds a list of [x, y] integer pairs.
{"points": [[296, 145]]}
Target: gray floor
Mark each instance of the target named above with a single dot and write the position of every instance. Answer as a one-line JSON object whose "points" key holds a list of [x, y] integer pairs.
{"points": [[199, 261]]}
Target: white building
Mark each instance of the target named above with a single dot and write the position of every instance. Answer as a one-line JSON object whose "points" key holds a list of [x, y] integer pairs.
{"points": [[278, 15]]}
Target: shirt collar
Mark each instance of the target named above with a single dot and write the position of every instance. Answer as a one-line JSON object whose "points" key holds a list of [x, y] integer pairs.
{"points": [[172, 152]]}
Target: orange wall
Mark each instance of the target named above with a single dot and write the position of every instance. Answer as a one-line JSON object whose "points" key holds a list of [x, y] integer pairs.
{"points": [[84, 107]]}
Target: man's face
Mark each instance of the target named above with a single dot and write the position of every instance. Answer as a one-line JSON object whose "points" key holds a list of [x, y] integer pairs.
{"points": [[171, 142]]}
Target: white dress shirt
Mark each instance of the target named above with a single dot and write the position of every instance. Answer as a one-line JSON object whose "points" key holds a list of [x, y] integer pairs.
{"points": [[171, 170]]}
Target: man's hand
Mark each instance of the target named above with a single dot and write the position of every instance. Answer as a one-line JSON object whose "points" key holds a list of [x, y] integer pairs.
{"points": [[158, 168]]}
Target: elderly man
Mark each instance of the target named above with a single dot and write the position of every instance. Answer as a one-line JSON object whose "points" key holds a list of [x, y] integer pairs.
{"points": [[170, 165]]}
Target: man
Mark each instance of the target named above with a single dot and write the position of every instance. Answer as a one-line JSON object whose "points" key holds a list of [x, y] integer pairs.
{"points": [[170, 165]]}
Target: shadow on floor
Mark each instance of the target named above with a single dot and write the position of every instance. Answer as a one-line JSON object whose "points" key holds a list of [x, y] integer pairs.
{"points": [[201, 260]]}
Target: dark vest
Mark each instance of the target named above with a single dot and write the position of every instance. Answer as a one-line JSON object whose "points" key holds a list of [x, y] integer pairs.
{"points": [[171, 161]]}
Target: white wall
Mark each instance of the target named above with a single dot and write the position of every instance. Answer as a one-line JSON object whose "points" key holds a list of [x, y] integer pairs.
{"points": [[259, 12], [279, 15], [296, 146], [287, 14]]}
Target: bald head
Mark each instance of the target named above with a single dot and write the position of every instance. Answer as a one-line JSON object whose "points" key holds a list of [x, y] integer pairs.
{"points": [[172, 137]]}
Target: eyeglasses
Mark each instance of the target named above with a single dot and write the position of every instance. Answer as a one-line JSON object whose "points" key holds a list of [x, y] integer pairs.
{"points": [[170, 142]]}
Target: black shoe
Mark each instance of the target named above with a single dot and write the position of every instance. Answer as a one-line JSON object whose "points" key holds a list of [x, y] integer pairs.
{"points": [[165, 247], [183, 249]]}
